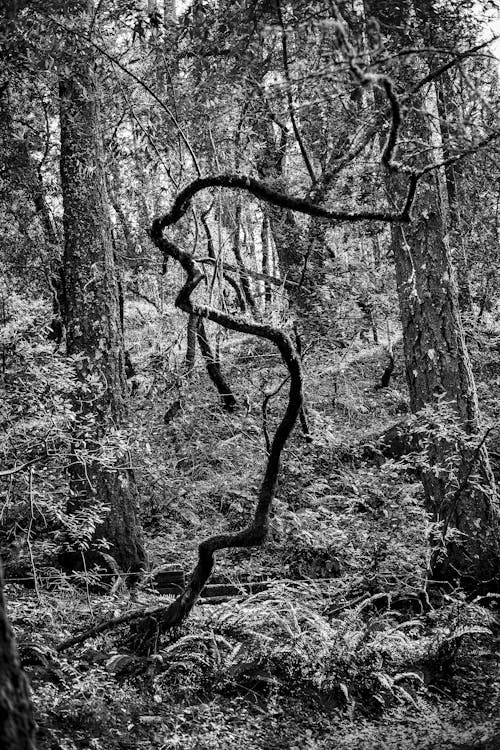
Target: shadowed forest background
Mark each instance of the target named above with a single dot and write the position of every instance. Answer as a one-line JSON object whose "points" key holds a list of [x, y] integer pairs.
{"points": [[249, 374]]}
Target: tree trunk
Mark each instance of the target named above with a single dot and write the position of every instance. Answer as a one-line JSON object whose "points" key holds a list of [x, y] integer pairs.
{"points": [[435, 34], [21, 179], [17, 727], [438, 367], [191, 344], [452, 177], [266, 262], [93, 316]]}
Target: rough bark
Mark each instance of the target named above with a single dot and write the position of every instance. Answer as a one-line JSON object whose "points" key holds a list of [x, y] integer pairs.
{"points": [[436, 34], [452, 178], [93, 316], [438, 367], [17, 727]]}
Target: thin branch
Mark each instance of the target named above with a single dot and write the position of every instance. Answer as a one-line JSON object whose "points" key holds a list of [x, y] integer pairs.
{"points": [[138, 80], [218, 263], [389, 149], [16, 469], [495, 135], [446, 66], [253, 274], [289, 97]]}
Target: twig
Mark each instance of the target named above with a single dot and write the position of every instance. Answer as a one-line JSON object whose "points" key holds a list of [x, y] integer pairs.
{"points": [[138, 80], [28, 536]]}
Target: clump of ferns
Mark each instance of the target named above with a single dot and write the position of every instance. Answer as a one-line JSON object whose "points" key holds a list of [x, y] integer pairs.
{"points": [[278, 641], [191, 664], [460, 630]]}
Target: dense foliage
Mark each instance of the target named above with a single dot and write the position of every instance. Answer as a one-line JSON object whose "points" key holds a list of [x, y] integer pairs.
{"points": [[130, 431]]}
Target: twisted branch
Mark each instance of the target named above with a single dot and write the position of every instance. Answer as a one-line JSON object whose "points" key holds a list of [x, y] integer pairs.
{"points": [[151, 624], [264, 192]]}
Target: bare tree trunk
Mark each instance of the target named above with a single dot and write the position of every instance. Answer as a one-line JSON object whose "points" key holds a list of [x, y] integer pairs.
{"points": [[17, 727], [438, 369], [266, 261], [436, 35], [245, 282], [93, 316], [191, 344]]}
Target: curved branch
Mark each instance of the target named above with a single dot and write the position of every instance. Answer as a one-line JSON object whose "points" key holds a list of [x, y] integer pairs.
{"points": [[264, 192], [150, 624], [256, 532]]}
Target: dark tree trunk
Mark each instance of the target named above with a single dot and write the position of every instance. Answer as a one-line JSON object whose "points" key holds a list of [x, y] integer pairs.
{"points": [[93, 310], [17, 727], [213, 368], [191, 343]]}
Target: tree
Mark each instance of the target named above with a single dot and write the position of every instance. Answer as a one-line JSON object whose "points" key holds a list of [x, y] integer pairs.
{"points": [[93, 311], [17, 727], [438, 367]]}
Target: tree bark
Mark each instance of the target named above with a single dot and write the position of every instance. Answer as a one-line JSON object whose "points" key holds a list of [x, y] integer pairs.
{"points": [[438, 367], [17, 727], [93, 316]]}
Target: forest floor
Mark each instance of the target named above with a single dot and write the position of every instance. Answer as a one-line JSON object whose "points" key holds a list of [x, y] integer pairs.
{"points": [[350, 648]]}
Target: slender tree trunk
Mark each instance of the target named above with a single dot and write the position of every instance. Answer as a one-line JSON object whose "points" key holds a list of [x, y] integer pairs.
{"points": [[93, 317], [17, 727], [245, 282], [191, 343], [266, 262], [436, 35]]}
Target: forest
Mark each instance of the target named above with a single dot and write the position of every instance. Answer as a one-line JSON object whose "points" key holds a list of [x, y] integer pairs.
{"points": [[249, 374]]}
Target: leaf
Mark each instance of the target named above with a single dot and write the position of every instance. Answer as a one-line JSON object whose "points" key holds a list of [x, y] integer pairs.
{"points": [[468, 630], [118, 662], [345, 691]]}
